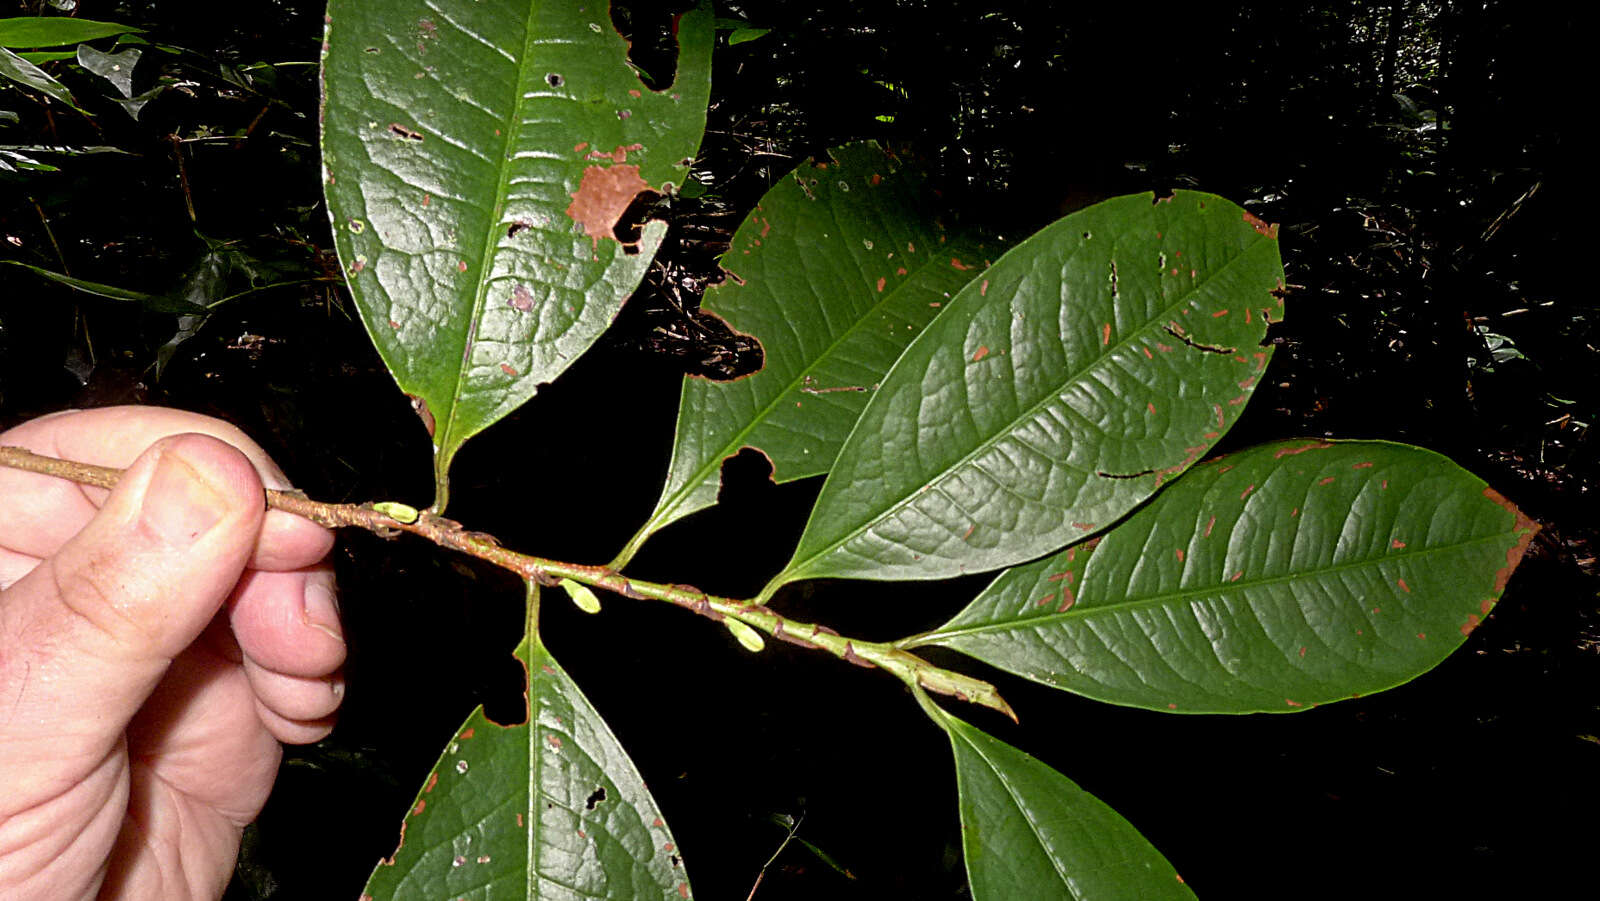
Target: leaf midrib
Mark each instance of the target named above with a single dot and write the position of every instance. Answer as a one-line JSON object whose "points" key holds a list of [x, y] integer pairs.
{"points": [[1116, 607], [512, 134], [672, 502], [1016, 801], [793, 571]]}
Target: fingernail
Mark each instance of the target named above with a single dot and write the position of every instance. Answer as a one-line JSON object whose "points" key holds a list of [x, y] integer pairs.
{"points": [[178, 504], [322, 609]]}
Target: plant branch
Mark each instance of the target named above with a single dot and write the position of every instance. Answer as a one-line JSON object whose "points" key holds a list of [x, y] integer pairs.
{"points": [[905, 666]]}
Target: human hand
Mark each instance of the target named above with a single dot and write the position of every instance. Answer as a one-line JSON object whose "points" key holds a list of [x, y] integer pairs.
{"points": [[157, 642]]}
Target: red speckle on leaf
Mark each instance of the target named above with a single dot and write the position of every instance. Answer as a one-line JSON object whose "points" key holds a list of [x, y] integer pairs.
{"points": [[1403, 586], [1247, 492], [1486, 605], [980, 353], [1362, 466], [461, 266], [555, 740], [1302, 650], [1071, 553], [508, 369], [1236, 401], [881, 282], [1248, 382], [1171, 706], [1384, 485], [959, 265], [468, 733], [1067, 600], [433, 779], [393, 324], [1151, 407], [983, 289], [1325, 481], [667, 847], [1174, 270], [1083, 526], [1147, 354], [1261, 359], [1525, 528], [1209, 523], [1221, 422], [1056, 577], [620, 155], [1291, 703], [1300, 449], [1105, 334], [1470, 624], [1236, 576], [602, 197], [968, 533], [1045, 600], [1180, 555], [1246, 315], [1377, 610], [1295, 512], [657, 823], [426, 198], [1219, 314], [633, 92], [876, 178], [1213, 435], [519, 819], [683, 889], [421, 804], [1397, 544], [900, 271], [1422, 635]]}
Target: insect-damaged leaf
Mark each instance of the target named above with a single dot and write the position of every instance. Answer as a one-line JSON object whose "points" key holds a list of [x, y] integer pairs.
{"points": [[552, 808], [1090, 364], [478, 156], [1030, 833], [1284, 576], [838, 267]]}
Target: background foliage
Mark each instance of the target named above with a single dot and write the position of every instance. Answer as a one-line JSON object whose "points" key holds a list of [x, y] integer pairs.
{"points": [[1415, 152]]}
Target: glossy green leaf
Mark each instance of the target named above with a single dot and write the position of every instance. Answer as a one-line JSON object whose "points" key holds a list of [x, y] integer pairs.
{"points": [[56, 31], [478, 156], [1284, 576], [548, 809], [40, 57], [116, 68], [836, 270], [1091, 363], [20, 71], [1030, 833]]}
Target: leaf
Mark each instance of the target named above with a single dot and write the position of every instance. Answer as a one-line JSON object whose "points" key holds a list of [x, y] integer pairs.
{"points": [[1091, 363], [547, 809], [835, 271], [1028, 832], [1284, 576], [159, 303], [116, 68], [477, 159], [583, 598], [56, 31], [743, 35], [40, 57], [28, 75]]}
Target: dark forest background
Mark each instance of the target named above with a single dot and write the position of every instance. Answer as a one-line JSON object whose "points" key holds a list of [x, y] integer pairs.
{"points": [[1419, 155]]}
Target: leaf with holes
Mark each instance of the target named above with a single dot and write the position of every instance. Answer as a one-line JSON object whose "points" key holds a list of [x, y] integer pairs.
{"points": [[550, 808], [839, 266], [1090, 364], [1029, 832], [479, 157], [1288, 575]]}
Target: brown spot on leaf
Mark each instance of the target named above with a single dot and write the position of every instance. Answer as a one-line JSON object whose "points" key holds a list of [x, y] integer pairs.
{"points": [[620, 155], [1209, 523], [1289, 701], [554, 740], [881, 282], [393, 324], [1105, 334], [980, 353], [1526, 528], [401, 131], [1067, 600], [1270, 231], [1045, 600], [1397, 544], [1326, 481], [508, 369], [421, 804], [959, 265], [602, 197], [1299, 449], [1247, 492], [521, 298], [1180, 555], [1470, 624], [433, 779]]}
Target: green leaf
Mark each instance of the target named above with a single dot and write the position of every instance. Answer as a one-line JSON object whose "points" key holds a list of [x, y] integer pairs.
{"points": [[56, 31], [547, 809], [477, 159], [28, 75], [1284, 576], [1028, 832], [1091, 363], [835, 271], [742, 35], [159, 303], [40, 57]]}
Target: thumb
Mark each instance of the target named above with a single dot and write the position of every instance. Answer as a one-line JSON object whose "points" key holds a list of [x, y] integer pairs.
{"points": [[86, 636]]}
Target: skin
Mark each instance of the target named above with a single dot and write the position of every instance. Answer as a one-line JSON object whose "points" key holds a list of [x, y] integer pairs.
{"points": [[157, 643]]}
